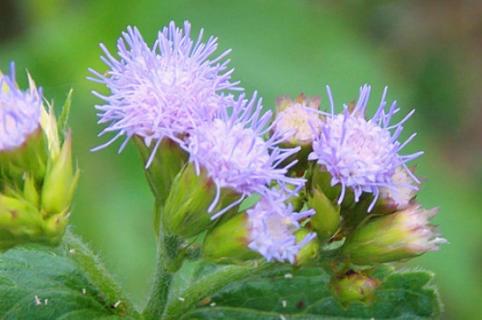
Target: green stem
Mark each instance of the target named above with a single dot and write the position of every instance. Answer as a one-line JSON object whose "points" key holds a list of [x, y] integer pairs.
{"points": [[168, 262], [208, 286], [98, 275]]}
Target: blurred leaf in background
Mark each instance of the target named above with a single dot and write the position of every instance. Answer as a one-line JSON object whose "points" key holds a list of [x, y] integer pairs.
{"points": [[428, 54]]}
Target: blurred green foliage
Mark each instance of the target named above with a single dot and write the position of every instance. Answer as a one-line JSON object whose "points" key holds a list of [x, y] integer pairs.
{"points": [[279, 47]]}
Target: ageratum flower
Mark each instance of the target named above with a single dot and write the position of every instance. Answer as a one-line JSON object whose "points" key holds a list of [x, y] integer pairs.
{"points": [[233, 153], [20, 111], [272, 225], [162, 91], [359, 153]]}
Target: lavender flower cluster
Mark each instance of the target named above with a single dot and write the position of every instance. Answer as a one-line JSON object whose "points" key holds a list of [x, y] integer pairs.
{"points": [[178, 89]]}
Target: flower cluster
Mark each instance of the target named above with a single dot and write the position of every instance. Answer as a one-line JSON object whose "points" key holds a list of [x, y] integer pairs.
{"points": [[165, 90], [229, 149]]}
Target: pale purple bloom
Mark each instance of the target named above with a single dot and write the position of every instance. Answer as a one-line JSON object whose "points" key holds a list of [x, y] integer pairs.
{"points": [[272, 226], [20, 111], [164, 90], [363, 154], [235, 155]]}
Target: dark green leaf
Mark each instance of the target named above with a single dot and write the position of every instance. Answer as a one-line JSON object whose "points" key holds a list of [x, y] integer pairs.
{"points": [[42, 284], [305, 294]]}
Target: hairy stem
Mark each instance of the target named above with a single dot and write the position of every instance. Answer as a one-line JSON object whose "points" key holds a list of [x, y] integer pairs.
{"points": [[168, 262], [208, 286], [97, 274]]}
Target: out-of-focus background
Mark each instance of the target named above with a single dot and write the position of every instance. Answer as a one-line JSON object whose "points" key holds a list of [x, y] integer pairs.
{"points": [[429, 54]]}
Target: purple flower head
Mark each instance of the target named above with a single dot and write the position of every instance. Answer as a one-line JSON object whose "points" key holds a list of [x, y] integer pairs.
{"points": [[20, 111], [234, 154], [363, 154], [272, 226], [165, 90]]}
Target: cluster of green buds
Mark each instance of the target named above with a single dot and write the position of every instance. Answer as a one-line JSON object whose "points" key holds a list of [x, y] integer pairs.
{"points": [[37, 174]]}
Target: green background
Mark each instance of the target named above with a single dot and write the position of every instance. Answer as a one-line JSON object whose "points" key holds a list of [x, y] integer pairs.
{"points": [[428, 53]]}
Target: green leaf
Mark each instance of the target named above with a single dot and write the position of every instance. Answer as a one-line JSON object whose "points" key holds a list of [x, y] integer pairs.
{"points": [[38, 283], [305, 294]]}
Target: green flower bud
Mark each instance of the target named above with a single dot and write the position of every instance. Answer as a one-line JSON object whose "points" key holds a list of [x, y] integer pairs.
{"points": [[354, 287], [400, 235], [228, 241], [310, 251], [327, 219], [185, 212]]}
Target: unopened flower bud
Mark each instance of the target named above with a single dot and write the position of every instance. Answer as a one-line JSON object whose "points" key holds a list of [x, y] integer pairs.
{"points": [[400, 235], [354, 287], [326, 219], [298, 122]]}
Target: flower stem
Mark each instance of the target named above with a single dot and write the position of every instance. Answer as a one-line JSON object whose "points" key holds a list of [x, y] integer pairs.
{"points": [[98, 275], [208, 286], [168, 262]]}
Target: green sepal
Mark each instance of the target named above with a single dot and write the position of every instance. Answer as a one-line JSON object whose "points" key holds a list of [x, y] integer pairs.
{"points": [[60, 181], [228, 241], [326, 219], [310, 252], [166, 164], [31, 157], [320, 179], [185, 212]]}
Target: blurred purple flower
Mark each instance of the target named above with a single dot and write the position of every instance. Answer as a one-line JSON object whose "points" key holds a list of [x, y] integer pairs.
{"points": [[20, 111], [362, 154], [162, 91], [272, 226], [235, 156]]}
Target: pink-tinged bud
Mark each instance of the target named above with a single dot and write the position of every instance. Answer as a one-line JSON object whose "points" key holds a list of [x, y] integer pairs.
{"points": [[298, 121], [353, 287], [400, 235]]}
